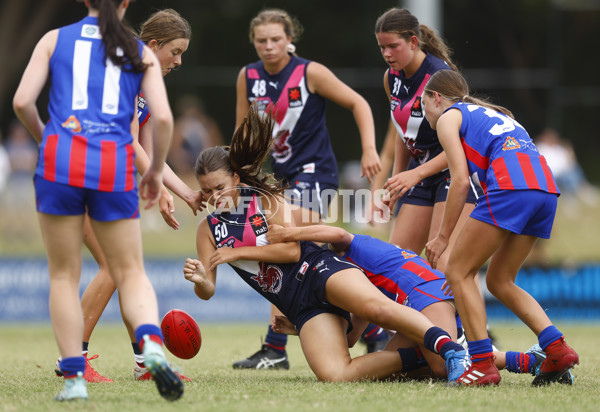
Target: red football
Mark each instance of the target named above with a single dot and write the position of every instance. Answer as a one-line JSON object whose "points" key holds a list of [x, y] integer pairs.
{"points": [[181, 334]]}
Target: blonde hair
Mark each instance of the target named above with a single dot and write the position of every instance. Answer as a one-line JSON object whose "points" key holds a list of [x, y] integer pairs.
{"points": [[291, 26], [165, 26]]}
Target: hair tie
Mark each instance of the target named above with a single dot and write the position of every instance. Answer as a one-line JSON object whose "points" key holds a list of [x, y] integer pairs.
{"points": [[464, 97], [290, 48]]}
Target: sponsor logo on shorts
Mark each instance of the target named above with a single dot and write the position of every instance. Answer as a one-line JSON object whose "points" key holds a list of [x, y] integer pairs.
{"points": [[302, 270], [269, 278]]}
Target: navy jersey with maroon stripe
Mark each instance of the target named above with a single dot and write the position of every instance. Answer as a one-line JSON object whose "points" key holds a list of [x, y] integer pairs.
{"points": [[295, 288], [407, 111], [395, 271], [87, 142], [302, 143], [500, 154]]}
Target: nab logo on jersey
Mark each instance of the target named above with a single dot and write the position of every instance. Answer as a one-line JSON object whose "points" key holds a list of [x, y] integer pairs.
{"points": [[295, 97], [510, 144], [258, 224], [416, 109]]}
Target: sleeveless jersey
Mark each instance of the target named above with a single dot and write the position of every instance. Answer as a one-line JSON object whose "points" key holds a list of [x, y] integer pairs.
{"points": [[395, 271], [302, 143], [407, 112], [280, 283], [87, 141], [500, 154]]}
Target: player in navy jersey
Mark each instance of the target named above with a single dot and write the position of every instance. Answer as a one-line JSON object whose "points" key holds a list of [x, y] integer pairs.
{"points": [[407, 279], [310, 285], [86, 163], [294, 91], [167, 34], [420, 177], [484, 141]]}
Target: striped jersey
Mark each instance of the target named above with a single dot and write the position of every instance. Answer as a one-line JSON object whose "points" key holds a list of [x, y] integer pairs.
{"points": [[302, 143], [395, 271], [500, 154], [87, 142]]}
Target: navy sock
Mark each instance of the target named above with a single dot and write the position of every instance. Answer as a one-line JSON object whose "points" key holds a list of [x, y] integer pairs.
{"points": [[148, 329], [480, 349], [519, 362], [71, 366], [136, 348], [412, 359], [438, 341], [85, 346], [276, 341], [374, 333], [549, 335]]}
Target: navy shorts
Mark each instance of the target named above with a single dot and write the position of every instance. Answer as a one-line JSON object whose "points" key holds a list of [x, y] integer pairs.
{"points": [[315, 274], [524, 212], [64, 200], [426, 294], [435, 192], [310, 194]]}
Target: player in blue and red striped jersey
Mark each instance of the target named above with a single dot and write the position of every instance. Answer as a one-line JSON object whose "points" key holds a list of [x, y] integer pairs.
{"points": [[86, 165], [310, 285], [409, 280], [484, 141], [294, 91]]}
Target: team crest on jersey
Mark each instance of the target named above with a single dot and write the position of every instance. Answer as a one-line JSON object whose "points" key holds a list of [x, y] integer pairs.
{"points": [[269, 278], [282, 151], [510, 144], [295, 97], [72, 123], [394, 104], [258, 223], [416, 109], [408, 255]]}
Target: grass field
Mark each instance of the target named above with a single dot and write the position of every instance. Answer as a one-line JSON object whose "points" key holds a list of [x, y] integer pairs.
{"points": [[27, 381]]}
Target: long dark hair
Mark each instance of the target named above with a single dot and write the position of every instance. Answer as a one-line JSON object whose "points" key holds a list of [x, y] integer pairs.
{"points": [[115, 36], [453, 86], [250, 147], [405, 24]]}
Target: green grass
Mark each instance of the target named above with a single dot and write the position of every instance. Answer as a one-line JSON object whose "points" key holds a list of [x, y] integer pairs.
{"points": [[27, 381]]}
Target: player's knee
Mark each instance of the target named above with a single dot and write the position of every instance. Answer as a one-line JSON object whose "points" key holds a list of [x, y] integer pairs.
{"points": [[379, 314], [498, 287]]}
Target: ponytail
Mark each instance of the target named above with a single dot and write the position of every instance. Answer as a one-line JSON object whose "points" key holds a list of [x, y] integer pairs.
{"points": [[250, 146], [119, 44], [433, 44]]}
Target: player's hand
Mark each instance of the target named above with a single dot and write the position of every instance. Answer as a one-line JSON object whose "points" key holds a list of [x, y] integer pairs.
{"points": [[166, 206], [277, 234], [193, 270], [195, 200], [370, 165], [282, 324], [222, 255], [149, 187], [401, 183], [434, 249], [447, 289]]}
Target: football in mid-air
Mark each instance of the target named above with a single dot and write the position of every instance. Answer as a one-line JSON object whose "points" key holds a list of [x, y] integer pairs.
{"points": [[181, 334]]}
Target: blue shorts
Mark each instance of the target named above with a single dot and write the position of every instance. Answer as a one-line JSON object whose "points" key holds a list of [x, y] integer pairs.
{"points": [[435, 192], [524, 212], [64, 200], [305, 192], [426, 294], [313, 302]]}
